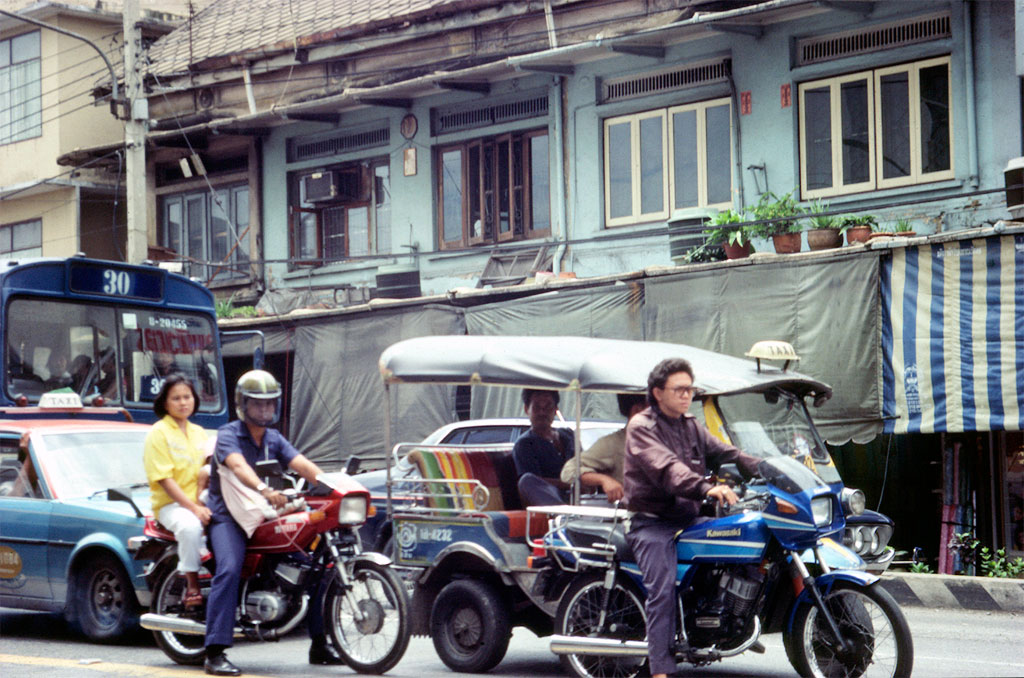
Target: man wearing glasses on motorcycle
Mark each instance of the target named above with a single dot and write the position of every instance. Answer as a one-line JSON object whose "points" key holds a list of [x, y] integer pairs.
{"points": [[668, 453], [240, 444]]}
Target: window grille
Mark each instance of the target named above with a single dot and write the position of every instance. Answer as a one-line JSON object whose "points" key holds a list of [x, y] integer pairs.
{"points": [[456, 118], [665, 80], [887, 36], [307, 148]]}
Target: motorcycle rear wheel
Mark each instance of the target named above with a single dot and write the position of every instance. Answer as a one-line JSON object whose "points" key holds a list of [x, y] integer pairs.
{"points": [[168, 596], [375, 643], [869, 618], [578, 615]]}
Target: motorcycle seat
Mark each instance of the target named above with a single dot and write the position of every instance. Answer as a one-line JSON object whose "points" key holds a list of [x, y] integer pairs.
{"points": [[588, 533]]}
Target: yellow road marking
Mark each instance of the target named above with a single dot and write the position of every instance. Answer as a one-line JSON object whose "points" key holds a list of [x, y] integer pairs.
{"points": [[134, 670]]}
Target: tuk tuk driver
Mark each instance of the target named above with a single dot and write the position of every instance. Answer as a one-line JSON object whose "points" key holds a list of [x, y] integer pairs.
{"points": [[668, 453]]}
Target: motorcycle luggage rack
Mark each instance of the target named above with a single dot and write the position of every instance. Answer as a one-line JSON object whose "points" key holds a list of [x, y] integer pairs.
{"points": [[599, 514]]}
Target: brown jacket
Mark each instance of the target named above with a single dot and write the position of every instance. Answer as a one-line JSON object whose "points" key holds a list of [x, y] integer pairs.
{"points": [[666, 461]]}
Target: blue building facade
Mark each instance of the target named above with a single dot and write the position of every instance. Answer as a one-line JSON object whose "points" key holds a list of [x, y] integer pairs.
{"points": [[369, 148]]}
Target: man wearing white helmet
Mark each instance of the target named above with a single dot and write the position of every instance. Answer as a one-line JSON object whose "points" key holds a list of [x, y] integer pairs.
{"points": [[240, 444]]}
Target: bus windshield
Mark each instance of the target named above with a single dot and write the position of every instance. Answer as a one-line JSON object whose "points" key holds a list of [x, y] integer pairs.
{"points": [[119, 351]]}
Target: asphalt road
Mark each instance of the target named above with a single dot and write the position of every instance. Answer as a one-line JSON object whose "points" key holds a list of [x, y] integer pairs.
{"points": [[947, 644]]}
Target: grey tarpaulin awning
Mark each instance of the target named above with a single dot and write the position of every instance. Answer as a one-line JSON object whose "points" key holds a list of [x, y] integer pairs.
{"points": [[337, 401], [826, 307], [611, 311]]}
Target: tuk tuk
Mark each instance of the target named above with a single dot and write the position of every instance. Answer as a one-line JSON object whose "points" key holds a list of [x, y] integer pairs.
{"points": [[471, 551]]}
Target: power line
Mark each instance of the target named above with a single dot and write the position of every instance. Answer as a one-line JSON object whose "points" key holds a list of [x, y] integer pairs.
{"points": [[213, 193]]}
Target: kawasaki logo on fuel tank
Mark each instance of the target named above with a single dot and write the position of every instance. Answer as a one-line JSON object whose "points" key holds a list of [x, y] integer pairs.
{"points": [[734, 532]]}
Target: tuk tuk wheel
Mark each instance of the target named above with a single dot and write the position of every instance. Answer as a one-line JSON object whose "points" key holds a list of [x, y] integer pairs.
{"points": [[470, 627]]}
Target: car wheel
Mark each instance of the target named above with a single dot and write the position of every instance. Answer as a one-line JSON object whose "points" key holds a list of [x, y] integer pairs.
{"points": [[470, 626], [104, 603]]}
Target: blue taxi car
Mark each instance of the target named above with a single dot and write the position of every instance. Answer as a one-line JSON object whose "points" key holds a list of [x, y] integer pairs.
{"points": [[63, 542]]}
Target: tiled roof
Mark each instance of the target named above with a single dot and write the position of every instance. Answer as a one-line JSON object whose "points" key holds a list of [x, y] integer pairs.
{"points": [[229, 27]]}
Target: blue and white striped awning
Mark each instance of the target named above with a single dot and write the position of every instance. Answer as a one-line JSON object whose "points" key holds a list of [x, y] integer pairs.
{"points": [[953, 336]]}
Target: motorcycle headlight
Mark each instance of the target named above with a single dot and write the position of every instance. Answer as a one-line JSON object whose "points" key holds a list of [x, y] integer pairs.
{"points": [[821, 511], [858, 540], [884, 533], [352, 510], [854, 501], [873, 548]]}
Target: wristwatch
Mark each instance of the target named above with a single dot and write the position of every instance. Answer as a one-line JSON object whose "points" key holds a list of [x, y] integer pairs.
{"points": [[262, 486]]}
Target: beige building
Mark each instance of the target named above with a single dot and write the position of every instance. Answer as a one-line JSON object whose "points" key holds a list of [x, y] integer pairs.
{"points": [[47, 109]]}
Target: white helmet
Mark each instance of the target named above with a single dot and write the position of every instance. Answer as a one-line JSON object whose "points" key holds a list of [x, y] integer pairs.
{"points": [[257, 385]]}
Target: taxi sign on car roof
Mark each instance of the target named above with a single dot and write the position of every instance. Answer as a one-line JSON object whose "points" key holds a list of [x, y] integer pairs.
{"points": [[59, 399]]}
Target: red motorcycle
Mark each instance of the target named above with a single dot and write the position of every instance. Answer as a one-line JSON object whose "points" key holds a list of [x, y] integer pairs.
{"points": [[287, 558]]}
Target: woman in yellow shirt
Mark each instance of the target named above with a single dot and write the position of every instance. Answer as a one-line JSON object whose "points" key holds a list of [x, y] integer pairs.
{"points": [[174, 453]]}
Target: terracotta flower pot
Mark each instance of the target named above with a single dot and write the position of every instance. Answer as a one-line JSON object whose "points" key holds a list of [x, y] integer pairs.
{"points": [[737, 251], [856, 234], [823, 238], [787, 243]]}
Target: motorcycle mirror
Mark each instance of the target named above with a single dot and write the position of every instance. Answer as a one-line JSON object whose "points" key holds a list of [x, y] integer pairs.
{"points": [[730, 472], [268, 467]]}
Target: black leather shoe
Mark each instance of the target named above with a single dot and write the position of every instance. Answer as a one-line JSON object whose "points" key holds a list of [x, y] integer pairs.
{"points": [[220, 666], [322, 653]]}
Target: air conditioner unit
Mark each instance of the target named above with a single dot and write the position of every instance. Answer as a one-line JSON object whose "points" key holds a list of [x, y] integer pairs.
{"points": [[320, 186], [331, 185]]}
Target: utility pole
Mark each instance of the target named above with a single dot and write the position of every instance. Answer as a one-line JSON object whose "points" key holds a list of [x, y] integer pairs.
{"points": [[137, 114]]}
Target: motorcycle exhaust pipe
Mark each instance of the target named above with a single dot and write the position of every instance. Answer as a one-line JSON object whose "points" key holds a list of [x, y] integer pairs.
{"points": [[165, 622], [608, 647]]}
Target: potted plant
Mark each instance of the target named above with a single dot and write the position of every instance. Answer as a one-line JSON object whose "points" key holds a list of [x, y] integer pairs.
{"points": [[857, 227], [734, 239], [904, 227], [786, 234], [900, 228], [824, 231]]}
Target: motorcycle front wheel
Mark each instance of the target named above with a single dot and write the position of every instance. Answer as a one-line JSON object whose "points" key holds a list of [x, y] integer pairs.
{"points": [[880, 645], [168, 597], [579, 615], [368, 621]]}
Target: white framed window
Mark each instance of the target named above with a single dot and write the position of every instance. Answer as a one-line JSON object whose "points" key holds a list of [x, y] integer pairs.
{"points": [[24, 239], [20, 90], [876, 129], [663, 161]]}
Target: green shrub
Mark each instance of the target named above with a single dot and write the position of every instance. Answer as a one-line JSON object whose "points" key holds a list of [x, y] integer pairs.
{"points": [[771, 206]]}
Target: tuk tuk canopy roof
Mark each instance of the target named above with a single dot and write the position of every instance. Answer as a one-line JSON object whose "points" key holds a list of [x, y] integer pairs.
{"points": [[578, 363]]}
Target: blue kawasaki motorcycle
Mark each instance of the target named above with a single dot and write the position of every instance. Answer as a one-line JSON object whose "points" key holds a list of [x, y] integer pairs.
{"points": [[767, 564]]}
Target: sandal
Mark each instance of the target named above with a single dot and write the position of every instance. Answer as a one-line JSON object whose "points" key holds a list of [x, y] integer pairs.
{"points": [[192, 600]]}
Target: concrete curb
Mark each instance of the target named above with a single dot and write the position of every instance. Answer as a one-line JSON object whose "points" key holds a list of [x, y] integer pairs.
{"points": [[954, 591]]}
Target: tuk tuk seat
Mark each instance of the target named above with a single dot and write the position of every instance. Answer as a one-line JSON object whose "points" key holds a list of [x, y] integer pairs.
{"points": [[493, 469]]}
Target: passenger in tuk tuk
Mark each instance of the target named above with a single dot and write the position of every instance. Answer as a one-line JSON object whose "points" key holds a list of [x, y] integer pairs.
{"points": [[601, 463], [668, 453], [540, 453]]}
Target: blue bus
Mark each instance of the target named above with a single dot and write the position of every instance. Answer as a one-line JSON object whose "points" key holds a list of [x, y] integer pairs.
{"points": [[108, 331]]}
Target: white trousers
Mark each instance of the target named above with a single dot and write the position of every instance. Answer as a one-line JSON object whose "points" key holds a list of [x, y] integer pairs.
{"points": [[188, 531]]}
